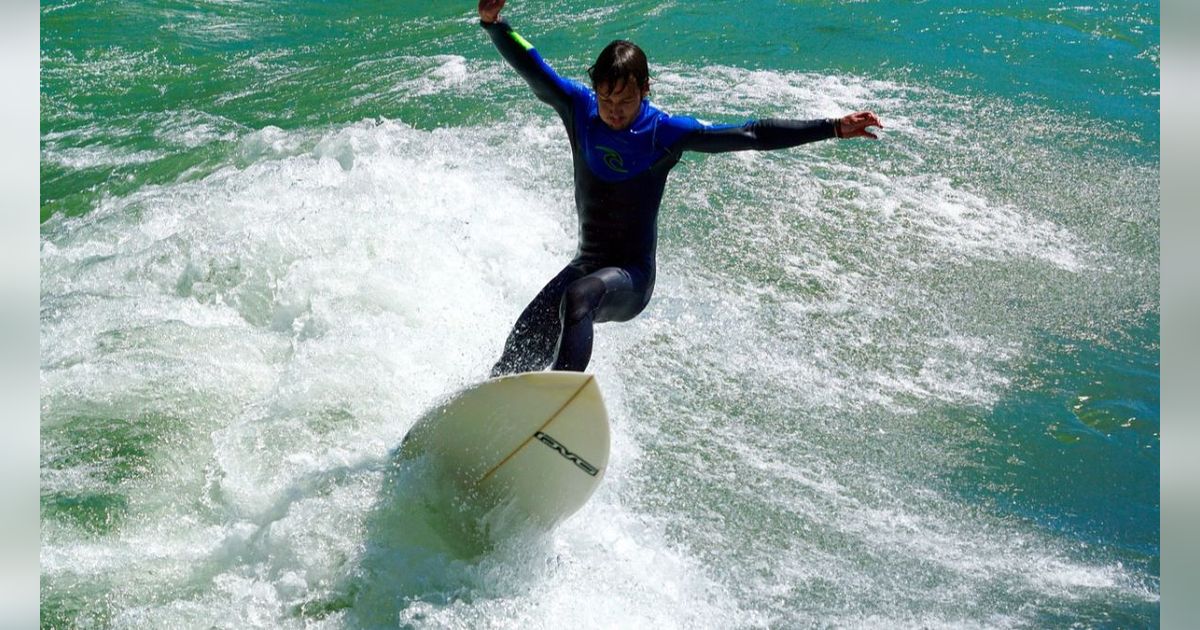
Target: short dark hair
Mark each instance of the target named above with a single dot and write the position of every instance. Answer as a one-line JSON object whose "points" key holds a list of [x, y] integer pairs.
{"points": [[620, 61]]}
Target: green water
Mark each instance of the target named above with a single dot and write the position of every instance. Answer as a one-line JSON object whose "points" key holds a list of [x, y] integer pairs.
{"points": [[910, 383]]}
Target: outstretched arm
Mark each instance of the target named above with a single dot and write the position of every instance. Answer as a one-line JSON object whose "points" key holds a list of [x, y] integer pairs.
{"points": [[770, 133], [520, 54]]}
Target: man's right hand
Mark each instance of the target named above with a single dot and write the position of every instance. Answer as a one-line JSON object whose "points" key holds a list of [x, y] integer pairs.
{"points": [[489, 10]]}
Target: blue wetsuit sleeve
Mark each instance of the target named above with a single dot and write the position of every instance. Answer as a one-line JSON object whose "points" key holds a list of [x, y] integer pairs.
{"points": [[521, 55], [760, 135]]}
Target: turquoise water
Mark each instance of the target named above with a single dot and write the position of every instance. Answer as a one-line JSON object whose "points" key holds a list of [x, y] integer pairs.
{"points": [[910, 383]]}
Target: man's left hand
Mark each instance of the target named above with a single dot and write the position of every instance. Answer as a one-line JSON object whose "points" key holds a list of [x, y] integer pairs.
{"points": [[855, 125]]}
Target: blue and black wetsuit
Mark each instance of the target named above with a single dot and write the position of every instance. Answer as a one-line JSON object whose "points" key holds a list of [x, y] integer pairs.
{"points": [[619, 181]]}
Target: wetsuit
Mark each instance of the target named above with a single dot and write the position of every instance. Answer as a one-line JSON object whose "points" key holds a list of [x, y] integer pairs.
{"points": [[619, 181]]}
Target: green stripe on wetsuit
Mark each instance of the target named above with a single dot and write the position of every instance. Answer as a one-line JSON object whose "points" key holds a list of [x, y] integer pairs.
{"points": [[520, 40]]}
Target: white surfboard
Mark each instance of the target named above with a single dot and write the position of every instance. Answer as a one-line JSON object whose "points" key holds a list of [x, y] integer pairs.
{"points": [[537, 442]]}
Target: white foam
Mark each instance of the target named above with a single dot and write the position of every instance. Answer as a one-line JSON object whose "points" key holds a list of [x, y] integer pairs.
{"points": [[288, 320], [80, 158], [292, 316], [439, 73], [739, 92], [190, 129]]}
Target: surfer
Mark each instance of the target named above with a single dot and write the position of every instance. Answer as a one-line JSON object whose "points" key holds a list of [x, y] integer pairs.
{"points": [[622, 148]]}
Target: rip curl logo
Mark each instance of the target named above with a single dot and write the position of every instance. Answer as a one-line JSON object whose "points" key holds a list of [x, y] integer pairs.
{"points": [[612, 159], [562, 450]]}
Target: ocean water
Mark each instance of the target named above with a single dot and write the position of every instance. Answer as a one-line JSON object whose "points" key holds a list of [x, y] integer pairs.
{"points": [[911, 383]]}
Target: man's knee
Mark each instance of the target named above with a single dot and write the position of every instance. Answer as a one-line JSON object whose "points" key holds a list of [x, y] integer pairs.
{"points": [[581, 298]]}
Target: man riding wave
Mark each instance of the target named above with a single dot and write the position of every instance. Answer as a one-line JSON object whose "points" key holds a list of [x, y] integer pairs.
{"points": [[622, 148]]}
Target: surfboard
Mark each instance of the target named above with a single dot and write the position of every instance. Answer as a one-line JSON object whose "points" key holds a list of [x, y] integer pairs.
{"points": [[536, 442]]}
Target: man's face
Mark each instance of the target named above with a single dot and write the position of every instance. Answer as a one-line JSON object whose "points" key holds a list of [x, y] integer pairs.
{"points": [[620, 104]]}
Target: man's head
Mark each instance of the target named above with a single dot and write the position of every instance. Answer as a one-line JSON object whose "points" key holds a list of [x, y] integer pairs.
{"points": [[621, 78]]}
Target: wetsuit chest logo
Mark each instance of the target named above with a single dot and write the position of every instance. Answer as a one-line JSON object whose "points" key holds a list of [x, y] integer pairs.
{"points": [[612, 159]]}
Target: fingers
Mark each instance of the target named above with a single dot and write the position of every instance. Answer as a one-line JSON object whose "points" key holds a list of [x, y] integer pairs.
{"points": [[855, 125], [866, 119], [490, 7]]}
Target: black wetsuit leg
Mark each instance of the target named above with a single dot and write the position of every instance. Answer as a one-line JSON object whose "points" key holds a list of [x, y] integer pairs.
{"points": [[531, 344], [557, 325], [610, 294]]}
